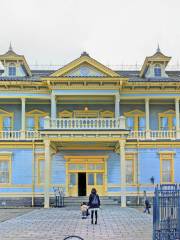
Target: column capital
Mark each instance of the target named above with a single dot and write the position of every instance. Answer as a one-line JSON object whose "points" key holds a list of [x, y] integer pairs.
{"points": [[122, 143], [177, 99], [147, 99], [117, 96]]}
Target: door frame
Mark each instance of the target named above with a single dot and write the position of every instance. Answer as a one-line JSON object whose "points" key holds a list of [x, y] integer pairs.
{"points": [[86, 160]]}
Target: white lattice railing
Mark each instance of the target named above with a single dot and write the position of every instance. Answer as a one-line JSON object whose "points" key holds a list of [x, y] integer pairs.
{"points": [[152, 135], [85, 123], [19, 135]]}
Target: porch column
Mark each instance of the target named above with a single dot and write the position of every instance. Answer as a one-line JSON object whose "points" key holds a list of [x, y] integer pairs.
{"points": [[53, 106], [177, 117], [23, 114], [47, 173], [117, 107], [123, 172], [147, 117]]}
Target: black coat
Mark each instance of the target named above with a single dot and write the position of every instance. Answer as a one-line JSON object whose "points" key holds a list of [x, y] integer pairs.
{"points": [[91, 197]]}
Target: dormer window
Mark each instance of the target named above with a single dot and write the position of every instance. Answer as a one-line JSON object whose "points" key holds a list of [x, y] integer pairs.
{"points": [[157, 71], [12, 70]]}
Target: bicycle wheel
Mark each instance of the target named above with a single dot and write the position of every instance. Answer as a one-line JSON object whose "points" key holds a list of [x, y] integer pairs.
{"points": [[73, 238]]}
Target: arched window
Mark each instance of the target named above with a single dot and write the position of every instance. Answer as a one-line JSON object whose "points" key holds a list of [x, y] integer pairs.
{"points": [[12, 70], [157, 70]]}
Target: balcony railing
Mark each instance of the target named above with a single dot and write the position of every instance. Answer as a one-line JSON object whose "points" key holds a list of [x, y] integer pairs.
{"points": [[153, 135], [19, 135], [85, 123]]}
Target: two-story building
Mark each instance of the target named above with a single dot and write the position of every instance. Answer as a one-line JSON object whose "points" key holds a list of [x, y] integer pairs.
{"points": [[85, 125]]}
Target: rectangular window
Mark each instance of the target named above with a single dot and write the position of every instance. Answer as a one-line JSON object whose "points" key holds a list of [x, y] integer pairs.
{"points": [[164, 123], [4, 171], [99, 178], [6, 123], [130, 168], [41, 171], [30, 123], [141, 123], [130, 123], [12, 71], [41, 123], [72, 177], [167, 168], [90, 178]]}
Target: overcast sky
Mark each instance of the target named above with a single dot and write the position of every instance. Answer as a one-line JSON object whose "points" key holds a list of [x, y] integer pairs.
{"points": [[111, 31]]}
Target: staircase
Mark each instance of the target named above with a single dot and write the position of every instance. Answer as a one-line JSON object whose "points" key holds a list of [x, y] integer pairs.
{"points": [[76, 201]]}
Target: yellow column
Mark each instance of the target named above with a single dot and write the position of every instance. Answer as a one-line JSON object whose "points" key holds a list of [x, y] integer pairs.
{"points": [[123, 172], [53, 106], [177, 117], [117, 107], [23, 117], [47, 173]]}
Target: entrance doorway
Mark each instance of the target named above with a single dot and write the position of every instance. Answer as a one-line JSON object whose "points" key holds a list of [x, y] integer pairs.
{"points": [[81, 184]]}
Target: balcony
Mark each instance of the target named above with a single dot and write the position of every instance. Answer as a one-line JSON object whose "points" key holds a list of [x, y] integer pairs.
{"points": [[85, 123], [153, 135], [19, 135]]}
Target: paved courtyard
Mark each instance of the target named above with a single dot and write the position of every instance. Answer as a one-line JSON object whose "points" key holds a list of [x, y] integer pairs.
{"points": [[56, 224]]}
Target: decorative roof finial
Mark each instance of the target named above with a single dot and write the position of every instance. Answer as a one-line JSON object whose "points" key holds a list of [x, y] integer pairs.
{"points": [[10, 47], [158, 49], [84, 54]]}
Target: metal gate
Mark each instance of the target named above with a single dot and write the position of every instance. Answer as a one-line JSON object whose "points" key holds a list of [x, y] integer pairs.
{"points": [[166, 212]]}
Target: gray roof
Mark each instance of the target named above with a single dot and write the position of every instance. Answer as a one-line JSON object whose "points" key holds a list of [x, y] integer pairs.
{"points": [[174, 76]]}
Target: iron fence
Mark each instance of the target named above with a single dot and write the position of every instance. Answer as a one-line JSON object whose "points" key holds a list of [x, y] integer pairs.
{"points": [[166, 212]]}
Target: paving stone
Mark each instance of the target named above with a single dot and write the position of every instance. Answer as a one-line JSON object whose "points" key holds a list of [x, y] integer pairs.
{"points": [[55, 224]]}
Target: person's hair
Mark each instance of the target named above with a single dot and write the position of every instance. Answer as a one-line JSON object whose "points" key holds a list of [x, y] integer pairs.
{"points": [[93, 191], [83, 203]]}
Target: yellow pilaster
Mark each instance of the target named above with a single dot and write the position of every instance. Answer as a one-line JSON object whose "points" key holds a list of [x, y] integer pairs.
{"points": [[47, 173], [123, 172]]}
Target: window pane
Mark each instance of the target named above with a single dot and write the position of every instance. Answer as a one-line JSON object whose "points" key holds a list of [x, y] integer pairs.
{"points": [[91, 166], [41, 171], [77, 166], [164, 123], [41, 123], [99, 166], [157, 71], [7, 123], [141, 123], [30, 123], [91, 179], [130, 123], [174, 123], [166, 171], [99, 179], [73, 179], [129, 171], [12, 71], [4, 171]]}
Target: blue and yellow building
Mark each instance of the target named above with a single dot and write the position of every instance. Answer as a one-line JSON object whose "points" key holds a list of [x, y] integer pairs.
{"points": [[85, 125]]}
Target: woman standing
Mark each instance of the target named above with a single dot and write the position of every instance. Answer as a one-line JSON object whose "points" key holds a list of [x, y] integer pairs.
{"points": [[94, 204]]}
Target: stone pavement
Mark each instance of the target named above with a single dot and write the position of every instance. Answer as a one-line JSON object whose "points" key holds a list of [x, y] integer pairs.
{"points": [[8, 213], [56, 224]]}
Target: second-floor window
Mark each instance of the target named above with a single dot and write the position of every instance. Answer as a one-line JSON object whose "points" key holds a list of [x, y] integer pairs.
{"points": [[135, 120], [12, 70], [35, 120], [167, 120]]}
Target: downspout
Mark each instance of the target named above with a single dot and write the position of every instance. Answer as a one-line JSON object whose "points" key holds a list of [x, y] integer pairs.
{"points": [[33, 172]]}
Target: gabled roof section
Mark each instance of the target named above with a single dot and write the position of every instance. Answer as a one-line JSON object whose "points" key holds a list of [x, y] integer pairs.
{"points": [[85, 66], [158, 57], [10, 55]]}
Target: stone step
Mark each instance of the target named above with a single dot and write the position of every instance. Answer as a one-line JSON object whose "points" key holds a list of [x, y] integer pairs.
{"points": [[70, 201]]}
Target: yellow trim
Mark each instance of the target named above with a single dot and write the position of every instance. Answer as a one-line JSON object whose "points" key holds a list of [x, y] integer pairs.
{"points": [[170, 114], [132, 157], [170, 157], [87, 60], [65, 114], [107, 114], [7, 157], [86, 160], [135, 114], [39, 157], [4, 114], [36, 114]]}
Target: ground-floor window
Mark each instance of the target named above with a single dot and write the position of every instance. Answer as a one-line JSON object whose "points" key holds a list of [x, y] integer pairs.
{"points": [[40, 169], [5, 169], [167, 167], [130, 168]]}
